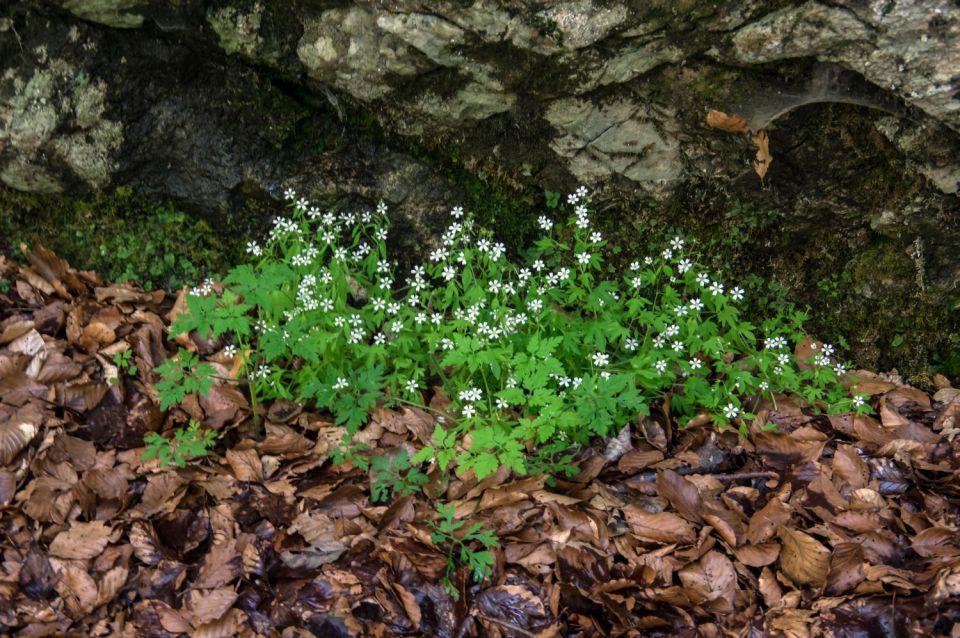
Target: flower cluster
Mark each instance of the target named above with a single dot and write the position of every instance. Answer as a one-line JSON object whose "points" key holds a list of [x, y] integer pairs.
{"points": [[542, 352]]}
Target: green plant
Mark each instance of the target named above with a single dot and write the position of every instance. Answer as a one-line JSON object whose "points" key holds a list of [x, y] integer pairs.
{"points": [[461, 546], [180, 376], [536, 356], [394, 473], [122, 361], [184, 446]]}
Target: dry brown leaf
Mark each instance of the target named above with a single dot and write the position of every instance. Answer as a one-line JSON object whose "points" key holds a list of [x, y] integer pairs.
{"points": [[849, 469], [846, 568], [146, 545], [409, 602], [769, 589], [209, 605], [77, 588], [711, 581], [17, 432], [81, 541], [757, 555], [245, 464], [763, 160], [662, 527], [765, 523], [110, 584], [682, 494], [803, 559], [228, 626], [730, 123]]}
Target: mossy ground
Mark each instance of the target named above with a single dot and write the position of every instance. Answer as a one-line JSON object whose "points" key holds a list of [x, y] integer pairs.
{"points": [[120, 235]]}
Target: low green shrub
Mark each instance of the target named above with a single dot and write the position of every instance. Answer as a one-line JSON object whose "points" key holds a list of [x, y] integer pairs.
{"points": [[536, 355]]}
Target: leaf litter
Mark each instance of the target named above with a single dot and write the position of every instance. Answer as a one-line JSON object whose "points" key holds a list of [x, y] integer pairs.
{"points": [[831, 526]]}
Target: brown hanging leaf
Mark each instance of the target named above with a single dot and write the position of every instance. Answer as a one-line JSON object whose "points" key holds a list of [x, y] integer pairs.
{"points": [[729, 123], [804, 560], [762, 163]]}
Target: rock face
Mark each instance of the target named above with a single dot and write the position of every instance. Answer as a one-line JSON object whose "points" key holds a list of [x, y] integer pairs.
{"points": [[219, 103]]}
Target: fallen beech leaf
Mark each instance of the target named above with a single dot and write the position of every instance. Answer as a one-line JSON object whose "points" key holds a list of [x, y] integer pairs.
{"points": [[81, 541], [724, 122], [245, 464], [757, 555], [663, 527], [712, 580], [77, 588], [682, 494], [17, 432], [210, 605], [762, 163], [111, 584], [765, 523], [803, 559], [846, 568]]}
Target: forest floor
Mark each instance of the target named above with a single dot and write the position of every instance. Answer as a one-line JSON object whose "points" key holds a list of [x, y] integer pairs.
{"points": [[828, 525]]}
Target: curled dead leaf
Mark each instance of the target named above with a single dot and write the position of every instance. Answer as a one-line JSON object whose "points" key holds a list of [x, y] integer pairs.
{"points": [[730, 123]]}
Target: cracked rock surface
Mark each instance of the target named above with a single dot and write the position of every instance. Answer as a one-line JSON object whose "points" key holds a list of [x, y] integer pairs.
{"points": [[216, 103]]}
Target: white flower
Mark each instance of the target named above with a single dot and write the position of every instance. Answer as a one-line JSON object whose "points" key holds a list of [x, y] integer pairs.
{"points": [[420, 318], [677, 346], [340, 384], [731, 411], [439, 254], [396, 327], [764, 386], [659, 341], [777, 370], [302, 203], [775, 343], [381, 208], [702, 280], [378, 304], [456, 212], [411, 386], [583, 221], [672, 330], [413, 300], [380, 234], [839, 369], [828, 349], [446, 344], [535, 305], [538, 265], [483, 245], [684, 265], [858, 401], [583, 259], [604, 375], [667, 254], [601, 359], [469, 411], [230, 351], [449, 273], [783, 358], [716, 288], [581, 192], [631, 344], [501, 404], [472, 394], [680, 311], [648, 260], [380, 339], [696, 304], [290, 194], [573, 198], [493, 286], [393, 308], [634, 265], [545, 222], [695, 363], [661, 366], [737, 294], [596, 237], [676, 243], [637, 282], [254, 249], [339, 322]]}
